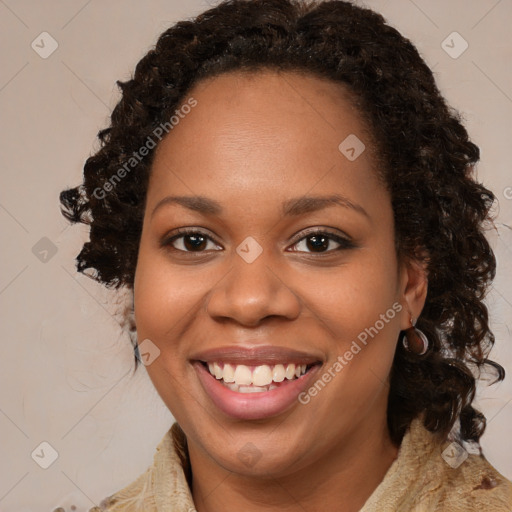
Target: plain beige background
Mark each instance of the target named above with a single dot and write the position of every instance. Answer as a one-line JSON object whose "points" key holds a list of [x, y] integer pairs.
{"points": [[66, 367]]}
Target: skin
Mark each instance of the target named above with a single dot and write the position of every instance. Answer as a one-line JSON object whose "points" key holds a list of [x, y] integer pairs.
{"points": [[252, 142]]}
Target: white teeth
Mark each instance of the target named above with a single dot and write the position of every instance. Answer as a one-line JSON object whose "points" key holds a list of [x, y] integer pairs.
{"points": [[259, 379], [290, 371], [251, 389], [278, 373], [228, 374], [262, 375], [217, 371], [243, 375]]}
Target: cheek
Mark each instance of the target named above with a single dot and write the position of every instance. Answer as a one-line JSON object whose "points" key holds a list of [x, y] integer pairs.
{"points": [[353, 296], [358, 305], [359, 309], [165, 304], [165, 296]]}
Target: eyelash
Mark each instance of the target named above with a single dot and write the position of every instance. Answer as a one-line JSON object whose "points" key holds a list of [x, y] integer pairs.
{"points": [[345, 243]]}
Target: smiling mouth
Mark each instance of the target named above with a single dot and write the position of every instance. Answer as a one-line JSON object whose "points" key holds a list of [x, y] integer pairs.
{"points": [[242, 378]]}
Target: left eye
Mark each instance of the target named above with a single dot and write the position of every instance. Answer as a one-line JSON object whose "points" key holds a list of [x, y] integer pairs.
{"points": [[319, 242]]}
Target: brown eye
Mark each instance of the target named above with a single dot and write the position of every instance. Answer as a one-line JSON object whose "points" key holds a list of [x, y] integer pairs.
{"points": [[321, 242], [190, 241]]}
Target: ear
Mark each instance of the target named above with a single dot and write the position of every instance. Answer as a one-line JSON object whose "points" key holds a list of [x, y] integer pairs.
{"points": [[413, 290]]}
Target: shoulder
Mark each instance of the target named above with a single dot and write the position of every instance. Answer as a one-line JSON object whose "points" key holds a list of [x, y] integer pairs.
{"points": [[163, 486], [430, 475], [474, 485], [454, 479], [138, 496]]}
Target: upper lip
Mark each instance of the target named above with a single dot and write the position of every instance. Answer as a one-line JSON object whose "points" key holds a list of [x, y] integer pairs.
{"points": [[265, 354]]}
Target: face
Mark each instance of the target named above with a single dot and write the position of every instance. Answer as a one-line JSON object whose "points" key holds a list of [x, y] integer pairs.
{"points": [[274, 269]]}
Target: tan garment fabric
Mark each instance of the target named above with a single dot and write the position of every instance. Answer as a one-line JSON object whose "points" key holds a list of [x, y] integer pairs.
{"points": [[419, 480]]}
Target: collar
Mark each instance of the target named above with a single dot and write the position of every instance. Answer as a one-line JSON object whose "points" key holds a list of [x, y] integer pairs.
{"points": [[423, 478]]}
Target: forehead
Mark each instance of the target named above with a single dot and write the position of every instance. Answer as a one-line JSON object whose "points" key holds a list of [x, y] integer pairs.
{"points": [[276, 98], [295, 88], [252, 132]]}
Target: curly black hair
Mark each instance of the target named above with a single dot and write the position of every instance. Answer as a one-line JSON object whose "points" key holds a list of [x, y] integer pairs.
{"points": [[425, 157]]}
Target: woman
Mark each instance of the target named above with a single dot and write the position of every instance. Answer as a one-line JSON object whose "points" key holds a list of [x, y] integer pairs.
{"points": [[292, 204]]}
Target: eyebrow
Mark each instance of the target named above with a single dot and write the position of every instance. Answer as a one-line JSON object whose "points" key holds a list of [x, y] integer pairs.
{"points": [[292, 207]]}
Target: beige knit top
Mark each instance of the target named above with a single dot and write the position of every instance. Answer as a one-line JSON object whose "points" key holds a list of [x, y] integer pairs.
{"points": [[425, 477]]}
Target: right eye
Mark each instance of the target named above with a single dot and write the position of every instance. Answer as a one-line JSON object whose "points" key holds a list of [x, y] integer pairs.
{"points": [[188, 240]]}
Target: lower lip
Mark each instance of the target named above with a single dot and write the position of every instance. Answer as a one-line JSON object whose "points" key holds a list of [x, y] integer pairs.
{"points": [[253, 406]]}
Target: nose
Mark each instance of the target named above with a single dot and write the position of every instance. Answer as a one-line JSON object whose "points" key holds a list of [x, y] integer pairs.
{"points": [[251, 292]]}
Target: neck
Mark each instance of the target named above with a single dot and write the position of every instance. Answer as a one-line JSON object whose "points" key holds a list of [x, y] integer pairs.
{"points": [[341, 480]]}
